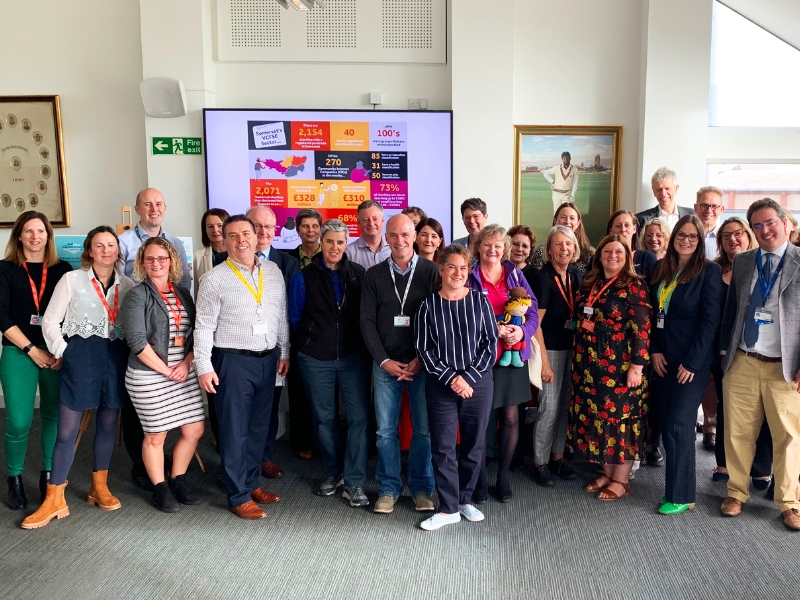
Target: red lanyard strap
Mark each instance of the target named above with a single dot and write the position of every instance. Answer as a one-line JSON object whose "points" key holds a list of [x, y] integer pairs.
{"points": [[176, 314], [37, 295], [593, 297], [112, 316], [568, 297]]}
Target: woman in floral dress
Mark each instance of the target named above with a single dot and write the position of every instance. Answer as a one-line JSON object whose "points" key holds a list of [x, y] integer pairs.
{"points": [[611, 350]]}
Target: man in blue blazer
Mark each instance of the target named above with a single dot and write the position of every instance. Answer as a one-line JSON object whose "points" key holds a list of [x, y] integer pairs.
{"points": [[264, 222], [665, 187], [760, 340]]}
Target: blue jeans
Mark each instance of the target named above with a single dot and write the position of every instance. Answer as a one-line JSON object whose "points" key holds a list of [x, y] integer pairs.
{"points": [[388, 396], [319, 379]]}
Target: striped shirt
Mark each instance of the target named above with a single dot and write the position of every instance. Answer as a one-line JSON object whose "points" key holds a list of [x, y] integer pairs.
{"points": [[456, 337], [227, 312]]}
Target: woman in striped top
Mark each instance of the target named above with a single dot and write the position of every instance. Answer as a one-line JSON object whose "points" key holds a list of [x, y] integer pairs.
{"points": [[456, 340], [157, 318]]}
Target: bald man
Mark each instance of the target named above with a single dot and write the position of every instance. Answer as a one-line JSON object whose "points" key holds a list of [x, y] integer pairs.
{"points": [[151, 208], [393, 290]]}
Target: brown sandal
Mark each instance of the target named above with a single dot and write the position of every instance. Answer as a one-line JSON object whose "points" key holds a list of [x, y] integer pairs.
{"points": [[610, 495], [596, 486]]}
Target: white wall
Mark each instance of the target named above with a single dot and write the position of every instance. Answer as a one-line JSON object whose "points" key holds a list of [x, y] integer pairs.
{"points": [[89, 53], [585, 71]]}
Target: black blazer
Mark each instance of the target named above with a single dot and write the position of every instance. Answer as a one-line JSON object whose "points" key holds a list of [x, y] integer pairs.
{"points": [[289, 265], [695, 312], [651, 213]]}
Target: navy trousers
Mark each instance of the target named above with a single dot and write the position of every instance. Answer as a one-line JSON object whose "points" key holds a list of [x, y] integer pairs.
{"points": [[273, 424], [456, 477], [677, 407], [244, 405]]}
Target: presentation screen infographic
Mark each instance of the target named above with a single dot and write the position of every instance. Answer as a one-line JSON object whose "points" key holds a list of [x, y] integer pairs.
{"points": [[330, 161]]}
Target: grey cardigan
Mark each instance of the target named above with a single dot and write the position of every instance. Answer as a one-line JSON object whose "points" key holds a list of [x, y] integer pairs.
{"points": [[145, 319]]}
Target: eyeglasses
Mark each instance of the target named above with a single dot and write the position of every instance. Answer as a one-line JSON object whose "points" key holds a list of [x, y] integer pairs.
{"points": [[153, 259], [714, 207], [266, 227], [770, 223], [692, 237], [738, 234]]}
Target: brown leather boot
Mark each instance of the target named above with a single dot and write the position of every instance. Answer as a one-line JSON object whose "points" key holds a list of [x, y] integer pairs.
{"points": [[99, 494], [53, 507]]}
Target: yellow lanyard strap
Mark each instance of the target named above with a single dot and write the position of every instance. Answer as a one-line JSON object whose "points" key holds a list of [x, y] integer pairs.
{"points": [[256, 295], [665, 293]]}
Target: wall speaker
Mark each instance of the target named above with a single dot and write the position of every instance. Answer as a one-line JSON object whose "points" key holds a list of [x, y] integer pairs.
{"points": [[163, 98]]}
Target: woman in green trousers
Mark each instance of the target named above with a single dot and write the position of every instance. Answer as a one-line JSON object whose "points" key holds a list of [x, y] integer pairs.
{"points": [[28, 276]]}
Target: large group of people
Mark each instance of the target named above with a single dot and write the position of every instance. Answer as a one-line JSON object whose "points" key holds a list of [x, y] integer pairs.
{"points": [[626, 341]]}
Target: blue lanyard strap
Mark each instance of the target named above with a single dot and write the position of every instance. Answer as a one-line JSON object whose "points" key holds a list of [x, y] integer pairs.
{"points": [[766, 288]]}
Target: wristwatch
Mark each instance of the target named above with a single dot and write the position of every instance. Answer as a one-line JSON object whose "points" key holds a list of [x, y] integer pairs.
{"points": [[27, 349]]}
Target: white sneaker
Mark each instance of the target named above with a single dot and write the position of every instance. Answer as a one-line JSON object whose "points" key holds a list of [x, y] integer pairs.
{"points": [[440, 520], [470, 513]]}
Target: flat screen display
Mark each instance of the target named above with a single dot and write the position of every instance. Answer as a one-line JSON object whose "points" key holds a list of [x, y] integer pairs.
{"points": [[330, 161]]}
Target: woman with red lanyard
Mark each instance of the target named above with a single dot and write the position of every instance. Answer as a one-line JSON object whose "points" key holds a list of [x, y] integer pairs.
{"points": [[28, 276], [158, 320], [495, 276], [80, 326], [555, 288], [611, 349]]}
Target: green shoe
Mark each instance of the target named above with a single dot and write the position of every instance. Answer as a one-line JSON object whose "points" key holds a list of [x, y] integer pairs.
{"points": [[670, 508]]}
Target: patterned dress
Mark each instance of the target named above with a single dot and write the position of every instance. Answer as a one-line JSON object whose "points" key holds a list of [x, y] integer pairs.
{"points": [[607, 419]]}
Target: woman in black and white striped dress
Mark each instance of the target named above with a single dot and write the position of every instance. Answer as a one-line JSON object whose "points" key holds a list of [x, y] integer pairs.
{"points": [[157, 318]]}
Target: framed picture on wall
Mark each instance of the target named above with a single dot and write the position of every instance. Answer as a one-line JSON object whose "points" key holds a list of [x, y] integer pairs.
{"points": [[32, 173], [556, 164]]}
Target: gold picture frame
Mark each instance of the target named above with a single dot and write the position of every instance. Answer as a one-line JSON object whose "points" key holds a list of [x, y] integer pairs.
{"points": [[596, 157], [32, 167]]}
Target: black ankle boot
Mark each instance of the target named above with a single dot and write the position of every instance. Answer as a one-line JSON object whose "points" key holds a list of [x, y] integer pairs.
{"points": [[16, 493], [163, 499], [181, 491], [44, 479]]}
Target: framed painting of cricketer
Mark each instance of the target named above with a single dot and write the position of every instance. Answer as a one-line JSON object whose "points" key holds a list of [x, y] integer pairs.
{"points": [[556, 164], [32, 173]]}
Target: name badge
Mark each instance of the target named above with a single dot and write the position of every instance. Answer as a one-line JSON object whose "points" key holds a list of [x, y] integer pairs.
{"points": [[261, 329], [588, 310], [660, 320], [587, 325], [763, 316], [402, 321], [114, 333], [570, 324], [36, 320], [178, 341]]}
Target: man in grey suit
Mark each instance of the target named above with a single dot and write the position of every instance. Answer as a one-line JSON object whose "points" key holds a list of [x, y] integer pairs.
{"points": [[760, 341], [264, 221], [665, 187]]}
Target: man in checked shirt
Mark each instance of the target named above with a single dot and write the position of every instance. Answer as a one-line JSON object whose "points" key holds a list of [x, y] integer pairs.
{"points": [[241, 315]]}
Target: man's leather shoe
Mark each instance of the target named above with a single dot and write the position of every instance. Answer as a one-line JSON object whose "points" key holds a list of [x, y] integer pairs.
{"points": [[709, 441], [791, 518], [731, 507], [655, 458], [270, 470], [262, 496], [248, 510], [770, 495]]}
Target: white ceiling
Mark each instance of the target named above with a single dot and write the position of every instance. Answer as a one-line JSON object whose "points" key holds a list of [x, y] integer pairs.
{"points": [[779, 17]]}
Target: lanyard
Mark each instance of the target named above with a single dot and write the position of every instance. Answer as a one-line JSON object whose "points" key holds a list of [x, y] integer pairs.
{"points": [[176, 314], [254, 293], [37, 295], [568, 297], [112, 316], [766, 288], [593, 297], [665, 293], [408, 285]]}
